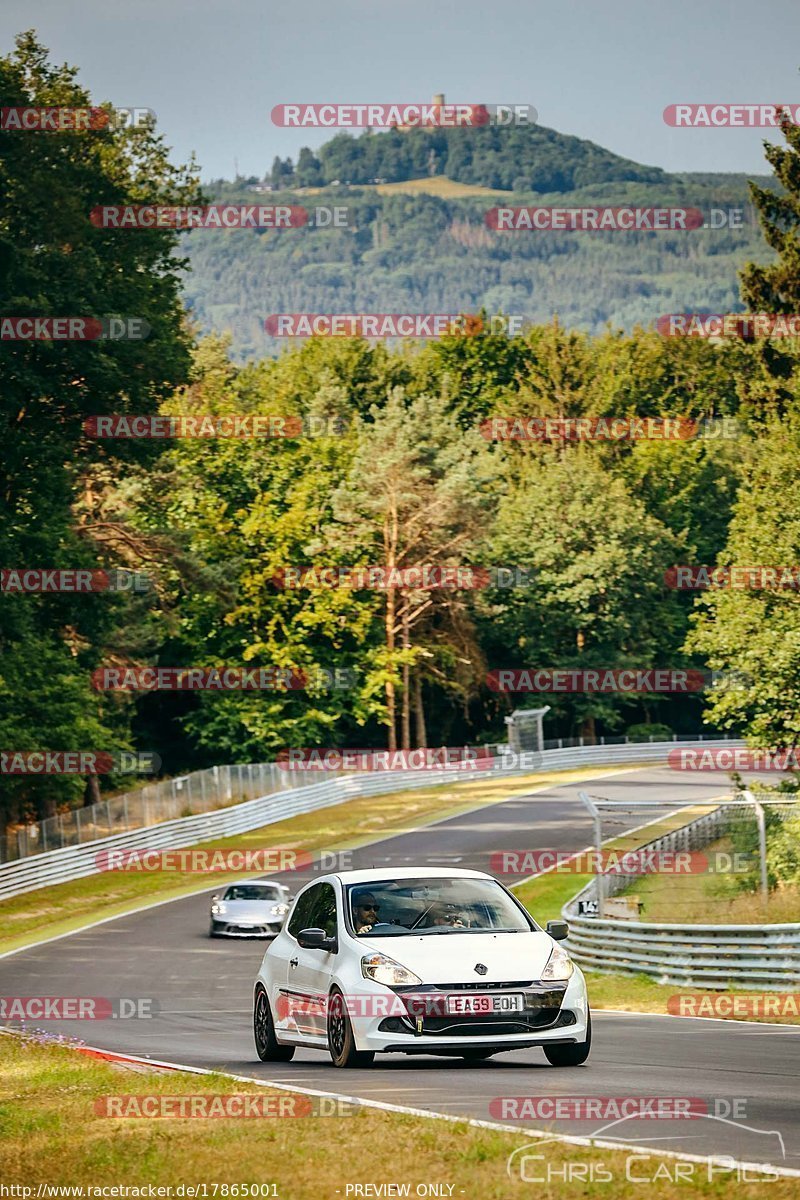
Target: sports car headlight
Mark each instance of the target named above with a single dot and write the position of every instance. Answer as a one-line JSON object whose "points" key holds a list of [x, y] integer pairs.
{"points": [[279, 909], [386, 970], [559, 964], [218, 908]]}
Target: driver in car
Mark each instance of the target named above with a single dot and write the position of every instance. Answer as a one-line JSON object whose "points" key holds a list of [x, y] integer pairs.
{"points": [[365, 912]]}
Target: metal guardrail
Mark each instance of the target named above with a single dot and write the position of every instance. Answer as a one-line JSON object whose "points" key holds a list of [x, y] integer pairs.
{"points": [[763, 957], [76, 862], [185, 796]]}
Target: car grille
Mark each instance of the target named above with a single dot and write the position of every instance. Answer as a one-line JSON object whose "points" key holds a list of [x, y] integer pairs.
{"points": [[480, 986], [483, 1026], [249, 928]]}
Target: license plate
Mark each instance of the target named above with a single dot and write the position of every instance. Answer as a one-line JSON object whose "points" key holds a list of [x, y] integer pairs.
{"points": [[480, 1003]]}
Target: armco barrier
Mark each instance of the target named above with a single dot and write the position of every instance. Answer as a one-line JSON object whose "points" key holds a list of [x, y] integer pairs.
{"points": [[76, 862], [763, 957]]}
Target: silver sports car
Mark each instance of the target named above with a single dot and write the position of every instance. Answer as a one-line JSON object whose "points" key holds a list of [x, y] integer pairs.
{"points": [[249, 910]]}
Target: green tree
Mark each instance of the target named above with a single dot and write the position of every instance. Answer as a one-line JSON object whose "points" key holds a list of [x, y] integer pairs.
{"points": [[775, 287], [418, 494], [55, 262], [597, 560], [756, 631]]}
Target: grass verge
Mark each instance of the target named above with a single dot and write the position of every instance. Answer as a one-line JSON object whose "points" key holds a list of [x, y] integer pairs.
{"points": [[714, 899], [53, 1136], [66, 907]]}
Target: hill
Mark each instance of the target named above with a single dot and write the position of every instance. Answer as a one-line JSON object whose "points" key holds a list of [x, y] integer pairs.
{"points": [[422, 244], [523, 158]]}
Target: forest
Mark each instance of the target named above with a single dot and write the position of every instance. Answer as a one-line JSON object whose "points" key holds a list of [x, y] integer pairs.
{"points": [[385, 459]]}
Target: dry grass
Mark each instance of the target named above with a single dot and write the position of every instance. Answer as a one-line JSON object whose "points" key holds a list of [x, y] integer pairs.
{"points": [[437, 185], [713, 899], [52, 1136]]}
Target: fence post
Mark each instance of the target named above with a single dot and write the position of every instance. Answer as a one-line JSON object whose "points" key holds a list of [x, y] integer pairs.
{"points": [[762, 844], [78, 823], [598, 845], [762, 854]]}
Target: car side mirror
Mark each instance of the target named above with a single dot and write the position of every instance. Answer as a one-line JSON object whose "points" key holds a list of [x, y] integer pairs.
{"points": [[214, 897], [558, 930], [315, 939]]}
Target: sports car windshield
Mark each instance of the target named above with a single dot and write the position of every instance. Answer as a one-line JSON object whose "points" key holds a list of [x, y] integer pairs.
{"points": [[252, 891], [433, 907]]}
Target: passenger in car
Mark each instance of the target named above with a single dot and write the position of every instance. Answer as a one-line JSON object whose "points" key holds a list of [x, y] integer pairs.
{"points": [[443, 914]]}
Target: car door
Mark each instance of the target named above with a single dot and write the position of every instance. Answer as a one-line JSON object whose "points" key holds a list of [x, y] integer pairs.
{"points": [[309, 975], [288, 1011]]}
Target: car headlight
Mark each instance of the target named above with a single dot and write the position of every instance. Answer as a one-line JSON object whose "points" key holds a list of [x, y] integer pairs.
{"points": [[217, 908], [385, 970], [559, 964], [279, 909]]}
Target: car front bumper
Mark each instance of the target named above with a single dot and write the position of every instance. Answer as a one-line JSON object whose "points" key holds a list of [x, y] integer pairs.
{"points": [[264, 929], [552, 1013]]}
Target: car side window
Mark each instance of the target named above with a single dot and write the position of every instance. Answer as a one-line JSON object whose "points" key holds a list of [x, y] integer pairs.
{"points": [[323, 914], [302, 918]]}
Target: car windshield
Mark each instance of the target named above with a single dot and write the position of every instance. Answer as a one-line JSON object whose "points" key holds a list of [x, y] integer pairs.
{"points": [[433, 906], [252, 891]]}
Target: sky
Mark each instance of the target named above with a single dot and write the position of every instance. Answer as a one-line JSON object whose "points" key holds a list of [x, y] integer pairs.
{"points": [[597, 69]]}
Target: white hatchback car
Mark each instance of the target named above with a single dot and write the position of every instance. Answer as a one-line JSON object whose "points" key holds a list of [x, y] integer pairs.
{"points": [[418, 960]]}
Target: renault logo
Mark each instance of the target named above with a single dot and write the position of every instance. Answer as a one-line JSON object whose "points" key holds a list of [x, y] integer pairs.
{"points": [[481, 969]]}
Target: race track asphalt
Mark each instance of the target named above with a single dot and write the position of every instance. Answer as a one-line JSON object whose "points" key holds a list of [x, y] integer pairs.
{"points": [[203, 991]]}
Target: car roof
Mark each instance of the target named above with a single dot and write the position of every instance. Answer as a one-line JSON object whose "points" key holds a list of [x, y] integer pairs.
{"points": [[376, 874]]}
